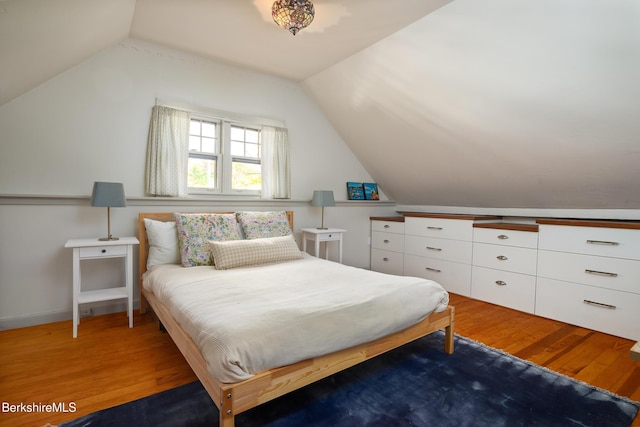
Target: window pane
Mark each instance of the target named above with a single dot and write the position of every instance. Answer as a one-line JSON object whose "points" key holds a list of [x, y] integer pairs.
{"points": [[252, 150], [194, 143], [202, 173], [237, 134], [237, 148], [251, 135], [208, 145], [209, 129], [194, 127], [246, 176]]}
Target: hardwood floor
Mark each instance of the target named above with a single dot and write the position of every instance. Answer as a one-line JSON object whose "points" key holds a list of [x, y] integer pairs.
{"points": [[109, 363]]}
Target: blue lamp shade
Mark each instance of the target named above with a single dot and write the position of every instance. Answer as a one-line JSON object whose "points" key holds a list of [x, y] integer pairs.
{"points": [[323, 198], [108, 195]]}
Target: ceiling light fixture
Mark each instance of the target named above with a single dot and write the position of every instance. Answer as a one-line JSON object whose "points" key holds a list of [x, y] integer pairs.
{"points": [[292, 15]]}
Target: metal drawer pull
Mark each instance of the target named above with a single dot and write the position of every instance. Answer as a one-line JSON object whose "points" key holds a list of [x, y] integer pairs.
{"points": [[434, 228], [501, 283], [433, 269], [431, 248], [386, 241], [601, 273], [600, 304], [502, 257], [602, 242], [385, 259], [387, 226], [503, 237]]}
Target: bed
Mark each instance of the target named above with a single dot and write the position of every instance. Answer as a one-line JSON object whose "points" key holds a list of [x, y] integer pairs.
{"points": [[236, 391]]}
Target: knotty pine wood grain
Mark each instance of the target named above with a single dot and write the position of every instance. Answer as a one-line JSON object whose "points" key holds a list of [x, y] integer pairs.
{"points": [[109, 364]]}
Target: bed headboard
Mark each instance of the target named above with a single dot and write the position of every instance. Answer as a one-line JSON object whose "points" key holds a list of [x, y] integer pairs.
{"points": [[144, 241]]}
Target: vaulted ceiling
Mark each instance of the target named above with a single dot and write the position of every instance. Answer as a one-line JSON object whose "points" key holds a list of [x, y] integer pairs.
{"points": [[493, 103]]}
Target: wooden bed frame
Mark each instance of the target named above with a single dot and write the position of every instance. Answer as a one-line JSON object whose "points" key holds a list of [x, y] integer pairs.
{"points": [[232, 399]]}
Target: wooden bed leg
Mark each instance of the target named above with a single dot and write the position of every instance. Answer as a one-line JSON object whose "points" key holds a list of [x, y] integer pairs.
{"points": [[448, 334]]}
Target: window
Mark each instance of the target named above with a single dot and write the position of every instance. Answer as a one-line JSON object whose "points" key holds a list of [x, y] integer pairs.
{"points": [[223, 157]]}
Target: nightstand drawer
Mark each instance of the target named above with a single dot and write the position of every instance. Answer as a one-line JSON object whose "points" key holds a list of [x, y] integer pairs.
{"points": [[103, 251], [387, 241]]}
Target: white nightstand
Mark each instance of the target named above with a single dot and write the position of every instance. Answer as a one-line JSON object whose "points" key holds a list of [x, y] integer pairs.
{"points": [[323, 235], [84, 249]]}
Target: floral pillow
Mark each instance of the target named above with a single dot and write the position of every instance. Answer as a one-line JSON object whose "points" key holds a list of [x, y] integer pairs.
{"points": [[259, 225], [195, 231]]}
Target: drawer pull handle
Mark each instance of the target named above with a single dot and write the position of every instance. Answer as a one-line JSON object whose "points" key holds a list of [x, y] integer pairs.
{"points": [[387, 226], [385, 259], [435, 270], [600, 304], [501, 283], [502, 257], [602, 242], [434, 228], [503, 237], [431, 248], [386, 240], [601, 273], [104, 251]]}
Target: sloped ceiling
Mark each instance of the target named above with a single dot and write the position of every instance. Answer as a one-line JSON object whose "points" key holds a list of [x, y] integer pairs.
{"points": [[493, 103]]}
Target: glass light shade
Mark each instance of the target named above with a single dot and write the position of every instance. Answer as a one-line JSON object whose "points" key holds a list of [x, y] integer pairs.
{"points": [[293, 15]]}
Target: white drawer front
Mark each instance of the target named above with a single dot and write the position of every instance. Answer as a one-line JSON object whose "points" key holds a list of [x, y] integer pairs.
{"points": [[388, 226], [508, 258], [612, 273], [525, 239], [387, 241], [457, 229], [445, 249], [103, 251], [453, 276], [514, 290], [609, 242], [564, 301], [387, 262]]}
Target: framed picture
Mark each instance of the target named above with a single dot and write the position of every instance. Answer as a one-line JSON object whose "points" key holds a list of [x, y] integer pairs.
{"points": [[371, 191], [355, 191]]}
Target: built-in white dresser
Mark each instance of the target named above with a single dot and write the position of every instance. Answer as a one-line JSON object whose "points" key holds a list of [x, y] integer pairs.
{"points": [[589, 274], [504, 264], [439, 247], [387, 244]]}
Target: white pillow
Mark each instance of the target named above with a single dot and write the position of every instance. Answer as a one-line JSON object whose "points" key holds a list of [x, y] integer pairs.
{"points": [[163, 242], [242, 253]]}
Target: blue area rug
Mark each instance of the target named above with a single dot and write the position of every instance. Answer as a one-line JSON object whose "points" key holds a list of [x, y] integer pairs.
{"points": [[415, 385]]}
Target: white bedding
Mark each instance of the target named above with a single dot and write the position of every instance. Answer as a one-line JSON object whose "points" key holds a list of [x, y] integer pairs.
{"points": [[248, 320]]}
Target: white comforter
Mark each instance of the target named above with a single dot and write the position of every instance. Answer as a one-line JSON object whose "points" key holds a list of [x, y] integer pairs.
{"points": [[247, 320]]}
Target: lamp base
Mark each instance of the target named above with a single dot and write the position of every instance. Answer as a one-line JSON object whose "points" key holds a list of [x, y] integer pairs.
{"points": [[108, 239], [321, 228]]}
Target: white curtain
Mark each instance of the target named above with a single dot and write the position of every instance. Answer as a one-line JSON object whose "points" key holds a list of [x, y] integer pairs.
{"points": [[276, 169], [167, 152]]}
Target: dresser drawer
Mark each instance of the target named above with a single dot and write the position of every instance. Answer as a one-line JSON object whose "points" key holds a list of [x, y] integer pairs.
{"points": [[445, 249], [453, 276], [612, 273], [103, 251], [525, 239], [457, 229], [388, 226], [387, 262], [604, 310], [387, 241], [508, 258], [514, 290], [608, 242]]}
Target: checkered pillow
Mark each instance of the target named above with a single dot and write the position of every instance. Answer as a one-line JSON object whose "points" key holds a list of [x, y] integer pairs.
{"points": [[243, 253]]}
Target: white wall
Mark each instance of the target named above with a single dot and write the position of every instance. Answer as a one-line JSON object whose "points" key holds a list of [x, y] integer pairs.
{"points": [[90, 124]]}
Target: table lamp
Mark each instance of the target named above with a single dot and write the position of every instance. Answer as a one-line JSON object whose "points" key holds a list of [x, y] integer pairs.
{"points": [[109, 195], [323, 198]]}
